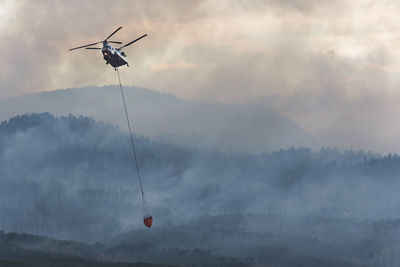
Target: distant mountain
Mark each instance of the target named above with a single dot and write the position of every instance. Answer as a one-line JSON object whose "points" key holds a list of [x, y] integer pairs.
{"points": [[164, 117]]}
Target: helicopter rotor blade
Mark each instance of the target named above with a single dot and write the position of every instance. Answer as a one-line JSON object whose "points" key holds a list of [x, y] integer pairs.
{"points": [[93, 48], [113, 33], [114, 42], [84, 46], [133, 41]]}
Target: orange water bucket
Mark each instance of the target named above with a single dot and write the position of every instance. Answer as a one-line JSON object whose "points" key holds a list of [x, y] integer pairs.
{"points": [[148, 220]]}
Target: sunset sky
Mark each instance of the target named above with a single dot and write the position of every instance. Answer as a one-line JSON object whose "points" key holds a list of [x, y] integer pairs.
{"points": [[331, 66]]}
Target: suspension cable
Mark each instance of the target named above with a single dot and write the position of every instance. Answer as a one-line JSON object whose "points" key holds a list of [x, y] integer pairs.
{"points": [[130, 134]]}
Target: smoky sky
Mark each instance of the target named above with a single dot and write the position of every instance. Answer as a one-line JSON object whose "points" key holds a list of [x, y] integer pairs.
{"points": [[331, 66]]}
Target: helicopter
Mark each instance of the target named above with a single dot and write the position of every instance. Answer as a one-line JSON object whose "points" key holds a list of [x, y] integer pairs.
{"points": [[113, 56]]}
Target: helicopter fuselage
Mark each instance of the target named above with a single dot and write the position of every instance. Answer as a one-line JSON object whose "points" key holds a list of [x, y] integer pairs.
{"points": [[113, 56]]}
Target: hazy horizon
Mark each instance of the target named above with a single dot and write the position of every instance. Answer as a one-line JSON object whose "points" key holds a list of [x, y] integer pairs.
{"points": [[167, 118]]}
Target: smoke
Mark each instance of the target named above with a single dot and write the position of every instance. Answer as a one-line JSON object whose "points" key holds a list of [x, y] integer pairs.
{"points": [[72, 178]]}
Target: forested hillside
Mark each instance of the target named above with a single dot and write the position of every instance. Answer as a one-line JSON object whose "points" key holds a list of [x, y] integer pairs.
{"points": [[73, 178]]}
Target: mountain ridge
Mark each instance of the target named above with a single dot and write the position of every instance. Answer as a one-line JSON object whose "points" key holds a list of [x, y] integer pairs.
{"points": [[165, 117]]}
